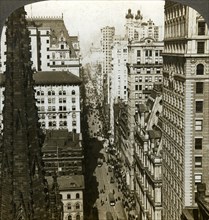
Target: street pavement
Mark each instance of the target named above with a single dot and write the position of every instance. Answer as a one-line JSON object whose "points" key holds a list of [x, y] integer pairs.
{"points": [[103, 177]]}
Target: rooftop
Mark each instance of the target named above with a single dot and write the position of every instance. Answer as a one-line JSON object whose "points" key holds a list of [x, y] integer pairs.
{"points": [[68, 182], [63, 139], [57, 26], [51, 78], [56, 77]]}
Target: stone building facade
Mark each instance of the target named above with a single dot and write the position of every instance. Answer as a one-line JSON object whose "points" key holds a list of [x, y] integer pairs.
{"points": [[185, 108], [57, 99], [148, 158]]}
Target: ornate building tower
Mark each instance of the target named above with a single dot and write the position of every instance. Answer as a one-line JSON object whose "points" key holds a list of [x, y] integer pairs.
{"points": [[24, 190]]}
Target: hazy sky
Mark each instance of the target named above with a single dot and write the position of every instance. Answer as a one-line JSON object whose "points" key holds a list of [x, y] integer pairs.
{"points": [[86, 18]]}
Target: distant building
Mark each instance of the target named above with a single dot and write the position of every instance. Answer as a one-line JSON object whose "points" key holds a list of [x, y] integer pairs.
{"points": [[137, 28], [57, 99], [71, 189], [52, 49], [145, 56], [119, 70], [106, 43], [185, 118], [63, 153]]}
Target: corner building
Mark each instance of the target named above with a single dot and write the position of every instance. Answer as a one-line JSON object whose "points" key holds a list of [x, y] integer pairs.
{"points": [[185, 109]]}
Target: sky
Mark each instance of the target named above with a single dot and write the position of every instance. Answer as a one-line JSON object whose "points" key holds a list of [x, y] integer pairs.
{"points": [[86, 18]]}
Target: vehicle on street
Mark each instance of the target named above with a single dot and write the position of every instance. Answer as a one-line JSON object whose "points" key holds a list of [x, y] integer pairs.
{"points": [[99, 162], [109, 216], [111, 199], [112, 180]]}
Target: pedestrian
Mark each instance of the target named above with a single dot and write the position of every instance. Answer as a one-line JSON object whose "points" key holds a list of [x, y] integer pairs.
{"points": [[113, 191]]}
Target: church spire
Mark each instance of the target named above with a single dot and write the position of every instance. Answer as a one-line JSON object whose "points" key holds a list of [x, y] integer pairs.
{"points": [[23, 188]]}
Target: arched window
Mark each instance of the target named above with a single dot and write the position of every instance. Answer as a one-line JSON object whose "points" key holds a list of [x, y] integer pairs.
{"points": [[38, 92], [77, 195], [73, 92], [69, 206], [69, 217], [200, 69], [78, 217], [49, 93], [77, 206]]}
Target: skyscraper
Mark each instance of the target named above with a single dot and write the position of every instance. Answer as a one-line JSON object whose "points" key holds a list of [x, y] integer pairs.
{"points": [[185, 108]]}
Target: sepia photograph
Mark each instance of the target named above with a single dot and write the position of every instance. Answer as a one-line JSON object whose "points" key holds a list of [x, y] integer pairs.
{"points": [[104, 110]]}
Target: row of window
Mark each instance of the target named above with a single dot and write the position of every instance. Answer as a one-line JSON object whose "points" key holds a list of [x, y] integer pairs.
{"points": [[149, 53], [69, 206], [78, 217], [54, 123], [53, 108], [147, 79], [148, 70], [52, 92], [146, 87]]}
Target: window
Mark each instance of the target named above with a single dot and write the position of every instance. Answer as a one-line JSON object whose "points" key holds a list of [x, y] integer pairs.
{"points": [[198, 143], [77, 206], [199, 106], [198, 125], [74, 123], [136, 87], [200, 47], [78, 217], [69, 217], [62, 46], [197, 178], [73, 100], [73, 107], [73, 92], [199, 87], [47, 41], [68, 196], [201, 28], [136, 79], [77, 195], [198, 161], [138, 53], [200, 69], [69, 206]]}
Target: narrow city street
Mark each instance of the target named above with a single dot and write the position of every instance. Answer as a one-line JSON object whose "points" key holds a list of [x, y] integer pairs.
{"points": [[99, 185], [105, 187]]}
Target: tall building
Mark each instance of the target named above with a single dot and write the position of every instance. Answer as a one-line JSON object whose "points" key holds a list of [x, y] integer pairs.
{"points": [[56, 60], [24, 190], [57, 99], [144, 56], [119, 69], [185, 108], [106, 43], [137, 28]]}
